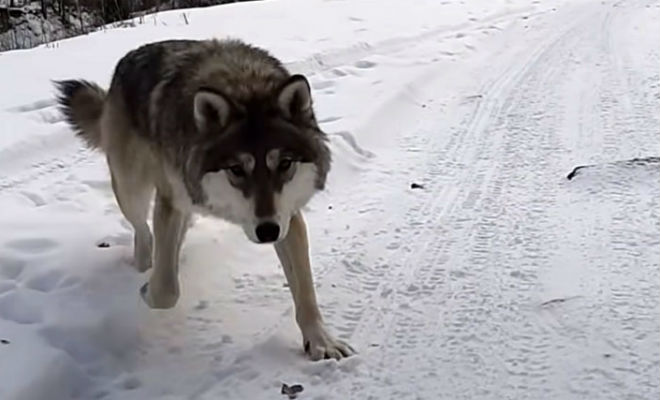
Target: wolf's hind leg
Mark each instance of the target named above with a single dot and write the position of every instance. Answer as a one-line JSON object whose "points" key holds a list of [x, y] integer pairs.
{"points": [[134, 193]]}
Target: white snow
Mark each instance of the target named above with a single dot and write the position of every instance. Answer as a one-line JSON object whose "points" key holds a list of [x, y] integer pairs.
{"points": [[499, 279]]}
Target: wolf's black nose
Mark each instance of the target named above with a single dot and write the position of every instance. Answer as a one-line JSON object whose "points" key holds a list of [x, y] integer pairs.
{"points": [[267, 232]]}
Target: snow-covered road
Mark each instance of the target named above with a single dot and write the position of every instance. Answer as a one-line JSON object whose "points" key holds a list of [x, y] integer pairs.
{"points": [[495, 278]]}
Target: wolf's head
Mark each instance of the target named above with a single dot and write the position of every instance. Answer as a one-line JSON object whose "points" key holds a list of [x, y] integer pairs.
{"points": [[266, 159]]}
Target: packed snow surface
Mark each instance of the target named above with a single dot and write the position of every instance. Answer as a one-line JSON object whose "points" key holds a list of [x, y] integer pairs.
{"points": [[495, 277]]}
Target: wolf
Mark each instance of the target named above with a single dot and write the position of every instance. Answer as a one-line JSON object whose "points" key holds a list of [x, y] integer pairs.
{"points": [[218, 128]]}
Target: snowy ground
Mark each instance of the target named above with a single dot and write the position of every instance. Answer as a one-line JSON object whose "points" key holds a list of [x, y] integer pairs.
{"points": [[499, 279]]}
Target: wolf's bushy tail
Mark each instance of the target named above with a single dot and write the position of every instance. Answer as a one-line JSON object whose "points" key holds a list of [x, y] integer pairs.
{"points": [[81, 102]]}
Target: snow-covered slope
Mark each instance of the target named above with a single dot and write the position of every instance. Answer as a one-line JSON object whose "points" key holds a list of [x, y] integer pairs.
{"points": [[497, 279]]}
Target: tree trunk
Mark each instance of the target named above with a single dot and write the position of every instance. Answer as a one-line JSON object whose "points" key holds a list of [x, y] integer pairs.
{"points": [[62, 12], [80, 16], [43, 8]]}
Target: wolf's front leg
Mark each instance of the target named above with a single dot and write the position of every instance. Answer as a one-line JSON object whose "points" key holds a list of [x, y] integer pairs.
{"points": [[170, 224], [293, 252]]}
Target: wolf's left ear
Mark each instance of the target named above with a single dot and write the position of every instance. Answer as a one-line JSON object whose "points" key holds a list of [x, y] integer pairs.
{"points": [[212, 109], [295, 97]]}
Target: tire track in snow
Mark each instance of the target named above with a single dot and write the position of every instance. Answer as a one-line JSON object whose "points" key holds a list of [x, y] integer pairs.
{"points": [[518, 118], [468, 149], [525, 346], [623, 271], [468, 291], [626, 96]]}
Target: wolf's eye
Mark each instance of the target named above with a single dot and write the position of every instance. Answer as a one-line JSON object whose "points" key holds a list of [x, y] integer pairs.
{"points": [[284, 165], [237, 171]]}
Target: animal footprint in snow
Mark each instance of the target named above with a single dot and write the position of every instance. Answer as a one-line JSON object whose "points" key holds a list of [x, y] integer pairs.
{"points": [[364, 64], [32, 245]]}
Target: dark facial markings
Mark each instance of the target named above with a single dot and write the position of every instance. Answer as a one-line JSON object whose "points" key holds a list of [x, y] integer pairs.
{"points": [[267, 178], [284, 165], [248, 172], [260, 152], [237, 170]]}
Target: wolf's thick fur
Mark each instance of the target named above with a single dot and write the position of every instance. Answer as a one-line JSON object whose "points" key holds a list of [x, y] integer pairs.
{"points": [[217, 127], [82, 104]]}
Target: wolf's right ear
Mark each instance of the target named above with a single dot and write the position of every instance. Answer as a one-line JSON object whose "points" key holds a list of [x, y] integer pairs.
{"points": [[212, 109], [295, 97]]}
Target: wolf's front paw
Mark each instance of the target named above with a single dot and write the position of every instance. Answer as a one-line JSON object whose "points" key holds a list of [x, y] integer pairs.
{"points": [[159, 299], [319, 344]]}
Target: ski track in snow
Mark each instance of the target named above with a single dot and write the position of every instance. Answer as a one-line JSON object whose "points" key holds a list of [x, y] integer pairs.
{"points": [[499, 279]]}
